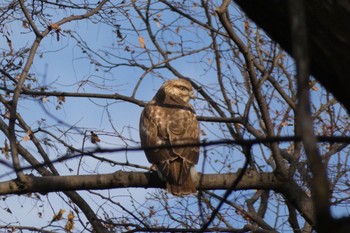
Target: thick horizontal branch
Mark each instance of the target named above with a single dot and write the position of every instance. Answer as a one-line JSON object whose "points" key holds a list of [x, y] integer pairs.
{"points": [[121, 179]]}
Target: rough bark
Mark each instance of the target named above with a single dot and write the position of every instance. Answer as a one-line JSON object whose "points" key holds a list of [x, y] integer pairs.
{"points": [[121, 179]]}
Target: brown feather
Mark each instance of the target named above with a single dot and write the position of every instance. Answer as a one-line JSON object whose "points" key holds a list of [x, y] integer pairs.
{"points": [[170, 120], [184, 184]]}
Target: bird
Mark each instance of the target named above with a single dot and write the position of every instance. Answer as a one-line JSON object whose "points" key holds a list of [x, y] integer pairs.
{"points": [[166, 121]]}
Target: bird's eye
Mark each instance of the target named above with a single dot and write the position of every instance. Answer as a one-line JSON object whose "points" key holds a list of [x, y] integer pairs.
{"points": [[183, 88]]}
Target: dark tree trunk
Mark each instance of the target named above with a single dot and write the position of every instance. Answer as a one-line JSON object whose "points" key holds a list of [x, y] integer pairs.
{"points": [[328, 36], [328, 31]]}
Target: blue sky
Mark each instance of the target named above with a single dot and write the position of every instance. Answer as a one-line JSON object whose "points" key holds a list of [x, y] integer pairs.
{"points": [[62, 66]]}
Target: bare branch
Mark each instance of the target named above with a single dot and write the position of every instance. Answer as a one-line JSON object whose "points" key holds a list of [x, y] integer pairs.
{"points": [[319, 180], [120, 179]]}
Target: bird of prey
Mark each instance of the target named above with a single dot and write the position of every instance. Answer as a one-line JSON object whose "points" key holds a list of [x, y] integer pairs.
{"points": [[167, 121]]}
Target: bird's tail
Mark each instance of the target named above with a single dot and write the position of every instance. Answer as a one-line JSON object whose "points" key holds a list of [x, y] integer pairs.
{"points": [[187, 188], [183, 178]]}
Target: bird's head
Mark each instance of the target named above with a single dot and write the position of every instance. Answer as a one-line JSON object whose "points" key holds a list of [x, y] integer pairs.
{"points": [[179, 88]]}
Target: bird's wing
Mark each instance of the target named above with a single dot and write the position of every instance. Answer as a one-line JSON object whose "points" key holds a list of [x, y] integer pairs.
{"points": [[183, 129], [153, 133]]}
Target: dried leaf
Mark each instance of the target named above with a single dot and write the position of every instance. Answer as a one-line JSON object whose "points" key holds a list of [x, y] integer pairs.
{"points": [[27, 136], [54, 26], [71, 216], [44, 99], [246, 25], [94, 138], [243, 214], [142, 42], [157, 23], [313, 86], [61, 99], [9, 42], [25, 24], [7, 114], [70, 222], [58, 216], [284, 123], [5, 150]]}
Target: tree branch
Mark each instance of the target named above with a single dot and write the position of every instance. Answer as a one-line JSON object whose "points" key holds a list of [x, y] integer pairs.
{"points": [[121, 179], [329, 38], [30, 20], [319, 181]]}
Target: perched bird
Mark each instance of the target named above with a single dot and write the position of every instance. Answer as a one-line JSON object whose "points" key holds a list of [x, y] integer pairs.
{"points": [[169, 120]]}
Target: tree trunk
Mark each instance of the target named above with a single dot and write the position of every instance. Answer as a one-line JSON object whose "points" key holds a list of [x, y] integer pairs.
{"points": [[328, 37]]}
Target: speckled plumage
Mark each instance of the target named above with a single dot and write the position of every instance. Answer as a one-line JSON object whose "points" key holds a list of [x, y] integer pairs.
{"points": [[168, 119]]}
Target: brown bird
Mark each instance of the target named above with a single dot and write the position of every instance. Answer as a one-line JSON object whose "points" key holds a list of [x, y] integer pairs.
{"points": [[168, 120]]}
